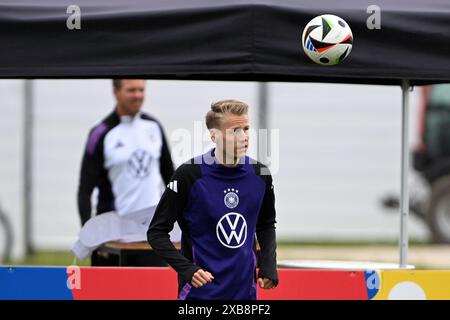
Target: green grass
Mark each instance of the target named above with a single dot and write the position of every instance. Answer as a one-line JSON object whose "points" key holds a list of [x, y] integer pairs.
{"points": [[66, 258], [343, 243], [49, 258]]}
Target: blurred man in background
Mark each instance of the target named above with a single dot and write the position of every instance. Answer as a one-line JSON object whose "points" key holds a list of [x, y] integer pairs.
{"points": [[126, 156]]}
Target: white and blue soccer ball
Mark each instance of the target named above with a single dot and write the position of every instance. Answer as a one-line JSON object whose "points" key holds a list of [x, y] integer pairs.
{"points": [[327, 40]]}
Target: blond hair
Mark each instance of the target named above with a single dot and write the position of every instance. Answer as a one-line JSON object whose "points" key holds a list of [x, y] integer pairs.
{"points": [[218, 109]]}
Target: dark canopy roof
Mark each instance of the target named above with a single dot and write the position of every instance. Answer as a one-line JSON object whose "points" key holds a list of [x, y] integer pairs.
{"points": [[221, 40]]}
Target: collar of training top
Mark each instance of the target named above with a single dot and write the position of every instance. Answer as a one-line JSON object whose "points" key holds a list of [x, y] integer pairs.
{"points": [[210, 158]]}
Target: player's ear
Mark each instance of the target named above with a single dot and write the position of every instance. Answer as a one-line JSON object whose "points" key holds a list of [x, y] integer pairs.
{"points": [[115, 93], [213, 135]]}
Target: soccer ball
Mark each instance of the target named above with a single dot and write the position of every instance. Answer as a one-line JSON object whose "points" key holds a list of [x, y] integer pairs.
{"points": [[327, 40]]}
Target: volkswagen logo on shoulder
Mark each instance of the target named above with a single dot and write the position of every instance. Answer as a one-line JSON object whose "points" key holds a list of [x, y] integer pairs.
{"points": [[231, 230], [231, 198]]}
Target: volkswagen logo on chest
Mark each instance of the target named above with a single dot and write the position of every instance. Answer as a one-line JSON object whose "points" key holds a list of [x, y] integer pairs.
{"points": [[231, 230], [139, 163]]}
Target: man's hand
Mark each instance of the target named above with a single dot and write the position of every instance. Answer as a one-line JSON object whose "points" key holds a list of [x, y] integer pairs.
{"points": [[265, 283], [200, 278]]}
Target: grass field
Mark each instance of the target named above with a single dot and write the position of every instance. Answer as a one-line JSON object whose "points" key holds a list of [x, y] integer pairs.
{"points": [[49, 258], [421, 255]]}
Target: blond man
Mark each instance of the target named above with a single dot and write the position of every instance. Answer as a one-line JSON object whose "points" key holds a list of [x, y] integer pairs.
{"points": [[221, 200]]}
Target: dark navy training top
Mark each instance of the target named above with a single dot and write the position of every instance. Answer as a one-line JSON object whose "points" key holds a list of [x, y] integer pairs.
{"points": [[219, 210]]}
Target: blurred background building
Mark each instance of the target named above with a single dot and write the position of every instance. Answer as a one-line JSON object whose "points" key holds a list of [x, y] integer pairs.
{"points": [[339, 152]]}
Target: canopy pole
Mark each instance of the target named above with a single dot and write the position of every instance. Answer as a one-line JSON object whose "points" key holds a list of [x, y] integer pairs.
{"points": [[27, 165], [404, 198], [263, 121]]}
